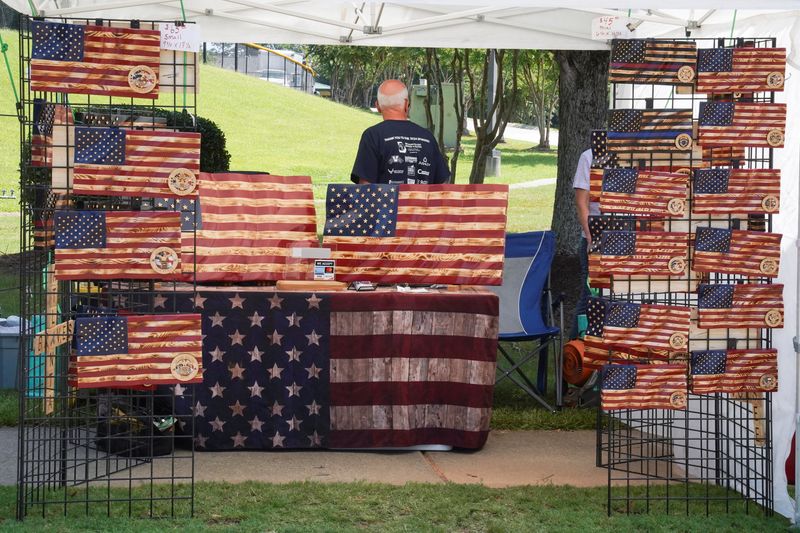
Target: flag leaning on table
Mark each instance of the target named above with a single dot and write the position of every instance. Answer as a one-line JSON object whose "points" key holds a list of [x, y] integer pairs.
{"points": [[117, 245], [135, 351], [647, 326], [247, 225], [760, 125], [341, 370], [645, 130], [121, 162], [643, 387], [652, 61], [630, 253], [736, 191], [726, 251], [737, 70], [734, 371], [101, 60], [451, 234], [628, 190], [740, 306]]}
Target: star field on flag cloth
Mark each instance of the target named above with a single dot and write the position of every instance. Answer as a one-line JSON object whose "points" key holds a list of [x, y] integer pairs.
{"points": [[649, 61]]}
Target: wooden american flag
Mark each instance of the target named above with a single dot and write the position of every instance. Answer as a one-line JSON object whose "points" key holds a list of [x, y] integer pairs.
{"points": [[742, 124], [657, 327], [735, 70], [451, 234], [643, 387], [652, 61], [646, 130], [732, 371], [628, 190], [135, 351], [740, 306], [734, 191], [628, 253], [246, 226], [121, 162], [726, 251], [100, 60], [115, 244]]}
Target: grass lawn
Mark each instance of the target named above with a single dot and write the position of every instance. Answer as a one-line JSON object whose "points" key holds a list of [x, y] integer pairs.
{"points": [[375, 507]]}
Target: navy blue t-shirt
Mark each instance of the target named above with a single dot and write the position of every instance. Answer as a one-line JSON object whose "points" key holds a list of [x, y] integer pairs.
{"points": [[399, 151]]}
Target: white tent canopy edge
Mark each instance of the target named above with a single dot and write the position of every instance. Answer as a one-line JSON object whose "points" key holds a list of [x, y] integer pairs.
{"points": [[537, 24]]}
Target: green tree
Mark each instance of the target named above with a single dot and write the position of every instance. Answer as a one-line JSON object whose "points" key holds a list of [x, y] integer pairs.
{"points": [[540, 91]]}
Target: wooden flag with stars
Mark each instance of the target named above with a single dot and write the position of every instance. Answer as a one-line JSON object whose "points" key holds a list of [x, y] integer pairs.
{"points": [[417, 233], [734, 371], [628, 253], [635, 192], [646, 130], [647, 326], [736, 190], [652, 61], [726, 251], [740, 306], [643, 387], [736, 70], [740, 124]]}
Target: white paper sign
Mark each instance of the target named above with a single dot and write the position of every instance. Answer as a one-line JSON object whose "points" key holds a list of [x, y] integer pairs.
{"points": [[184, 38], [610, 27]]}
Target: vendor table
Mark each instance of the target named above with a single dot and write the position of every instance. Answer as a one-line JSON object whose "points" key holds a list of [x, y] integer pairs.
{"points": [[341, 369]]}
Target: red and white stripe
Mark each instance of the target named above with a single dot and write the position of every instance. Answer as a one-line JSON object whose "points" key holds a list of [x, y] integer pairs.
{"points": [[751, 66], [654, 190], [751, 303], [655, 385], [750, 126], [747, 250], [657, 323], [747, 188], [743, 372], [654, 250]]}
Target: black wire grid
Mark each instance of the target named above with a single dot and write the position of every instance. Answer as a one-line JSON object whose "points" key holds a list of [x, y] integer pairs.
{"points": [[715, 456], [111, 452]]}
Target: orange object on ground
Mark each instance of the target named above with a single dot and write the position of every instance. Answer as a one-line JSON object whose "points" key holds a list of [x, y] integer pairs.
{"points": [[574, 370]]}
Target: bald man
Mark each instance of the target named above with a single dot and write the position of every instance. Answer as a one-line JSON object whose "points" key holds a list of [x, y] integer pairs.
{"points": [[397, 150]]}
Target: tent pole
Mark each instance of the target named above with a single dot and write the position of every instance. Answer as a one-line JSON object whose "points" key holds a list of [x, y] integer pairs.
{"points": [[796, 342]]}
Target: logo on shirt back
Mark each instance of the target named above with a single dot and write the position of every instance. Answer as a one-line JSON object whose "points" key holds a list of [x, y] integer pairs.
{"points": [[401, 147], [424, 162], [395, 159]]}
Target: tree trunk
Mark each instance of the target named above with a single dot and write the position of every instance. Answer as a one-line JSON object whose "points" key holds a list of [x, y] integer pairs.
{"points": [[583, 106]]}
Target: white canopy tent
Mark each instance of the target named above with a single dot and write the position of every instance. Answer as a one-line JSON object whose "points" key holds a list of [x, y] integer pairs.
{"points": [[526, 24]]}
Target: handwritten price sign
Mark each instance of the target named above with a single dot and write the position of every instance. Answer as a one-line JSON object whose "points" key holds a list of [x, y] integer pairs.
{"points": [[610, 27], [182, 38]]}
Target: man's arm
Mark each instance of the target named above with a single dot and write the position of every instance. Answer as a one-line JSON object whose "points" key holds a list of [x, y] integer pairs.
{"points": [[365, 167], [582, 206]]}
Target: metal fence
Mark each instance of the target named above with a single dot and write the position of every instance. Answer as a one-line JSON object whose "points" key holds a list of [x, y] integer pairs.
{"points": [[261, 62]]}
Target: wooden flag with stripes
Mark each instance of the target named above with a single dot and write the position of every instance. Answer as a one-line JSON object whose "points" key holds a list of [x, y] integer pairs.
{"points": [[135, 351], [736, 191], [117, 245], [451, 234], [246, 227], [736, 70], [733, 371], [740, 306], [121, 162], [760, 125], [647, 326], [652, 61], [726, 251], [631, 191], [646, 130], [643, 387], [97, 60], [629, 253]]}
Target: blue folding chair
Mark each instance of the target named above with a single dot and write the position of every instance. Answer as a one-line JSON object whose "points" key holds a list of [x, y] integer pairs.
{"points": [[527, 313]]}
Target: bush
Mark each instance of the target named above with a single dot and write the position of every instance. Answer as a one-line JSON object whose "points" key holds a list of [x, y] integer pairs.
{"points": [[214, 157]]}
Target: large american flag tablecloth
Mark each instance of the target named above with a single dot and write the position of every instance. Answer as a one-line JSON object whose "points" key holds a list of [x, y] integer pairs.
{"points": [[341, 369]]}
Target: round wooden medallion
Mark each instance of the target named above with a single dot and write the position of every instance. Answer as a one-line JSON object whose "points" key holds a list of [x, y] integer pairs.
{"points": [[676, 206], [164, 260], [678, 400], [770, 203], [773, 318], [683, 141], [182, 181], [184, 367], [142, 79], [677, 341], [768, 266], [768, 381], [677, 265], [775, 80], [685, 74], [775, 138]]}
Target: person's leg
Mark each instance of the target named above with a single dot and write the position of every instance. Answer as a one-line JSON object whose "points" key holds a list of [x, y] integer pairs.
{"points": [[583, 295]]}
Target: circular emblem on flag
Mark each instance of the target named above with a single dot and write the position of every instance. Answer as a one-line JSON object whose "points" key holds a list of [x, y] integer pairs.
{"points": [[775, 80], [770, 203], [737, 95], [683, 141], [142, 79], [676, 206], [677, 265], [775, 138], [677, 341], [773, 318], [678, 400], [184, 367], [182, 181], [685, 74], [768, 381], [768, 266], [164, 260]]}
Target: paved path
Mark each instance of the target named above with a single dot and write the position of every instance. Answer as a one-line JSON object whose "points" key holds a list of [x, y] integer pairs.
{"points": [[509, 458]]}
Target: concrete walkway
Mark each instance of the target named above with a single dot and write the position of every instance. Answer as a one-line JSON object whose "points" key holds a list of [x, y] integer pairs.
{"points": [[510, 458]]}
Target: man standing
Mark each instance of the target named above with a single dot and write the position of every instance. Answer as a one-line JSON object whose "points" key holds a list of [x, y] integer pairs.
{"points": [[585, 209], [397, 150]]}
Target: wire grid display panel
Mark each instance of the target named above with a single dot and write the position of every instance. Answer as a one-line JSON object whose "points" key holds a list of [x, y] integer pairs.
{"points": [[104, 451], [715, 456]]}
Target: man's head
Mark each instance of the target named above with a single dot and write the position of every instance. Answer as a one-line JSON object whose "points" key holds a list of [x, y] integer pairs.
{"points": [[393, 100]]}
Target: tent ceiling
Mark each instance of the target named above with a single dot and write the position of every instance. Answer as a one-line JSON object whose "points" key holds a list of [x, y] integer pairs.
{"points": [[544, 24]]}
